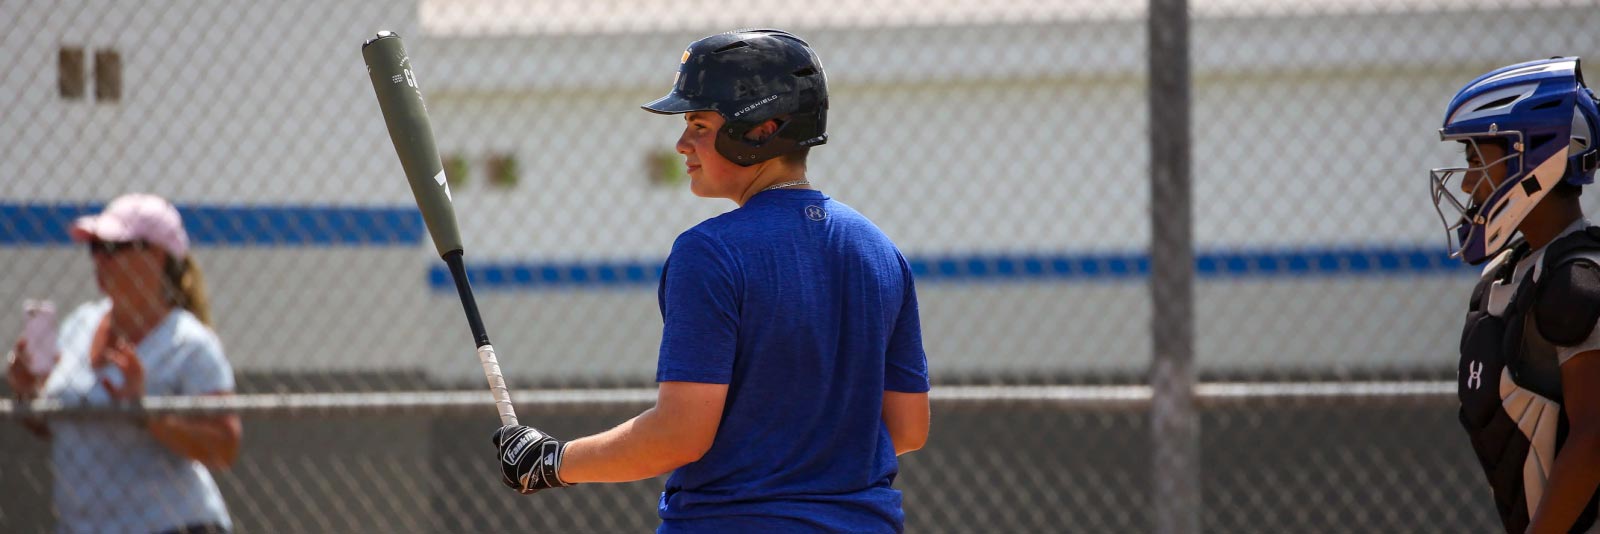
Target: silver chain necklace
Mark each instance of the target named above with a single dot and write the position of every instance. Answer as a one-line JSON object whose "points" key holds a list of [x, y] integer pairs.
{"points": [[782, 185]]}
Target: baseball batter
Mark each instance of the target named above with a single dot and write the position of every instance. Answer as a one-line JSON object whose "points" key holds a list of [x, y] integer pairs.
{"points": [[791, 371]]}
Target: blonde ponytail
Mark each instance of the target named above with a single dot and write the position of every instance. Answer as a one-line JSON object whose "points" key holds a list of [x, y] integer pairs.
{"points": [[187, 287]]}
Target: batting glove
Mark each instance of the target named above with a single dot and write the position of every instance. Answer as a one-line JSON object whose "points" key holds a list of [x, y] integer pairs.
{"points": [[529, 459]]}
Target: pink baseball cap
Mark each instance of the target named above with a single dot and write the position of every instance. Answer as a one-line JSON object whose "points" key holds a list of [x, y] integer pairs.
{"points": [[136, 217]]}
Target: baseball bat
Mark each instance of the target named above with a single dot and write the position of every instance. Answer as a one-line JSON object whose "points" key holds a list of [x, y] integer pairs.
{"points": [[407, 117]]}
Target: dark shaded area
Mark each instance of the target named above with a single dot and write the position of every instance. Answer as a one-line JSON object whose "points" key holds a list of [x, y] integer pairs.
{"points": [[1322, 467]]}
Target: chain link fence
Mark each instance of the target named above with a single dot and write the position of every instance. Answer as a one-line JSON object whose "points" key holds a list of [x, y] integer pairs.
{"points": [[1004, 146]]}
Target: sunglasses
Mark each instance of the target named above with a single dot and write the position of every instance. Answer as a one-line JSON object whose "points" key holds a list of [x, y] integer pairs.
{"points": [[110, 248]]}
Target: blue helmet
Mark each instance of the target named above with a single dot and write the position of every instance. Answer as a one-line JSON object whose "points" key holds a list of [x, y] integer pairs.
{"points": [[1544, 117]]}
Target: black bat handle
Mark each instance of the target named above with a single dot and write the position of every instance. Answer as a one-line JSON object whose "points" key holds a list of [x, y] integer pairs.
{"points": [[458, 271]]}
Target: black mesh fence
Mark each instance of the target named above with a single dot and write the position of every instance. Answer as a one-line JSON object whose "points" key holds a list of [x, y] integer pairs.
{"points": [[1008, 148]]}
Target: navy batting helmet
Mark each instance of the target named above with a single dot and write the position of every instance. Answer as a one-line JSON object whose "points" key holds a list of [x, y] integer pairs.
{"points": [[750, 77]]}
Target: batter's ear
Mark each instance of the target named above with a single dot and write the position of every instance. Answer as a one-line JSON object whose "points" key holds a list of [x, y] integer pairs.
{"points": [[764, 131]]}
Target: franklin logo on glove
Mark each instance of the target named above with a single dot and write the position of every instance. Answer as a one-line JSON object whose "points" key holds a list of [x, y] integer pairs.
{"points": [[514, 452], [529, 459]]}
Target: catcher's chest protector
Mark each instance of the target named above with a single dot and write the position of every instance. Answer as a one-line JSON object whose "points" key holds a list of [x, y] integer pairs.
{"points": [[1509, 377]]}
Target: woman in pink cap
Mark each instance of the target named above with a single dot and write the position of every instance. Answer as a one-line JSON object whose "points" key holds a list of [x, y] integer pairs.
{"points": [[150, 335]]}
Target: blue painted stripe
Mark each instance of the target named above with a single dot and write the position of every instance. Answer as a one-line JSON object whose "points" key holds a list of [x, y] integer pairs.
{"points": [[1221, 264], [243, 225], [235, 225], [495, 276], [1353, 261]]}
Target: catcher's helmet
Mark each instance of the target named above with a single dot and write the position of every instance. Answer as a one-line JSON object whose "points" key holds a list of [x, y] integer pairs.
{"points": [[750, 77], [1545, 119]]}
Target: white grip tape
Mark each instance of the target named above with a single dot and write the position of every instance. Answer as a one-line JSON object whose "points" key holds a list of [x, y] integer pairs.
{"points": [[497, 385]]}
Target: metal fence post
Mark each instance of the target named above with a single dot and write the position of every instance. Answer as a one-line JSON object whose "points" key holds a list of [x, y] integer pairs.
{"points": [[1175, 425]]}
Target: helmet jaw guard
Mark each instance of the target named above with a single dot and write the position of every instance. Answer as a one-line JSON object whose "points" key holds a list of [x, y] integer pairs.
{"points": [[1471, 237], [1531, 109], [750, 77]]}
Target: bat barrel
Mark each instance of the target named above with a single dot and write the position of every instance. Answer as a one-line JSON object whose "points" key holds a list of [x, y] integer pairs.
{"points": [[407, 118], [406, 115]]}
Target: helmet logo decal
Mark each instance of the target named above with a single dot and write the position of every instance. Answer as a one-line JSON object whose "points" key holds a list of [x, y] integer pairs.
{"points": [[758, 104], [679, 74]]}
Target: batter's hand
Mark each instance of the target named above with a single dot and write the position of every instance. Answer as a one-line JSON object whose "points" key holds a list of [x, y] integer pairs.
{"points": [[23, 382], [26, 385], [529, 459]]}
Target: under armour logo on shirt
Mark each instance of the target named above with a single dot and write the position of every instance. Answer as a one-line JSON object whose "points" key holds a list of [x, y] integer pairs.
{"points": [[1475, 374], [816, 213]]}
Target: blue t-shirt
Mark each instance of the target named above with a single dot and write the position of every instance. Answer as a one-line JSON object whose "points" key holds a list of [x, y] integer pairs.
{"points": [[808, 313], [111, 475]]}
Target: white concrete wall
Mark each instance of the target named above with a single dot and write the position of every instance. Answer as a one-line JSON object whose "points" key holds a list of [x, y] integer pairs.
{"points": [[1312, 129]]}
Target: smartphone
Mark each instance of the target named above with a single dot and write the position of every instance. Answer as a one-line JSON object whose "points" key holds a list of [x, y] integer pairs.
{"points": [[40, 331]]}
